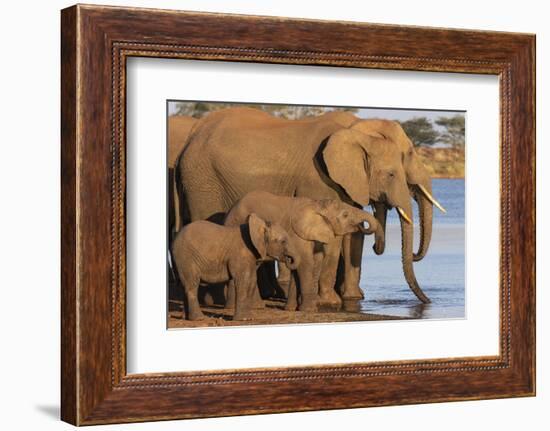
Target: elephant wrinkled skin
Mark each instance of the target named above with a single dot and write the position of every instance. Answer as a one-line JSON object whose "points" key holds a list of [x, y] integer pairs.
{"points": [[309, 224], [238, 150], [179, 129], [417, 176], [209, 253]]}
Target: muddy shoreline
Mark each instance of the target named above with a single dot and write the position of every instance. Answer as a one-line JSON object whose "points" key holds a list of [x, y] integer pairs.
{"points": [[273, 314]]}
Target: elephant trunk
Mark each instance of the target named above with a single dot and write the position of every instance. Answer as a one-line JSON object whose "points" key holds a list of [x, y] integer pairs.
{"points": [[425, 212], [380, 212], [291, 262], [374, 227], [407, 259], [290, 258]]}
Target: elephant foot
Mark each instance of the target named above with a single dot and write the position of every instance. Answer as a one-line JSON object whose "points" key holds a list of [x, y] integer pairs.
{"points": [[351, 305], [208, 299], [352, 292], [291, 303], [242, 316], [196, 315], [329, 301], [310, 307], [291, 306]]}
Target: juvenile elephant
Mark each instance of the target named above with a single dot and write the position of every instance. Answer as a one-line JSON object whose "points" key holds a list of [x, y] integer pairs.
{"points": [[210, 253], [309, 224], [239, 150]]}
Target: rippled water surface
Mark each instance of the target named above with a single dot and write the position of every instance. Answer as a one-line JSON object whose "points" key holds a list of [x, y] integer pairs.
{"points": [[440, 274]]}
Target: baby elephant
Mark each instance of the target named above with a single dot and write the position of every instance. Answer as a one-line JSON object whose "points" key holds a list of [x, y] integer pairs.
{"points": [[309, 224], [209, 253]]}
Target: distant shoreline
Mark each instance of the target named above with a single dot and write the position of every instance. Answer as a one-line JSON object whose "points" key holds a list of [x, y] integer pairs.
{"points": [[445, 163]]}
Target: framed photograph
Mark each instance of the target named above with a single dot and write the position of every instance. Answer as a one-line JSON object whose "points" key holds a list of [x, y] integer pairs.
{"points": [[437, 138], [317, 215]]}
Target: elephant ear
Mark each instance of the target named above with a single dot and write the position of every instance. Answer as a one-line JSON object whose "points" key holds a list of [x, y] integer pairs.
{"points": [[346, 162], [311, 225], [257, 228]]}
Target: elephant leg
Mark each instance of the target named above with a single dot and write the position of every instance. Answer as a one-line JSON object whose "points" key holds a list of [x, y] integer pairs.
{"points": [[172, 210], [318, 257], [292, 294], [328, 296], [175, 287], [245, 284], [353, 252], [230, 295], [308, 290], [191, 286], [284, 278], [205, 295], [256, 299]]}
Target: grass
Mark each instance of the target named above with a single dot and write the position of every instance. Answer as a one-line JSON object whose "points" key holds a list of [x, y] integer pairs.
{"points": [[443, 162]]}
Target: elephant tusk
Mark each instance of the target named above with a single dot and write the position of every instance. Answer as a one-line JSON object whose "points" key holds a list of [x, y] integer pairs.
{"points": [[403, 214], [431, 198]]}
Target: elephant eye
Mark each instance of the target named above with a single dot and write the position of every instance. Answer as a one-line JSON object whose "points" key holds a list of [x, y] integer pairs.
{"points": [[345, 215], [391, 174]]}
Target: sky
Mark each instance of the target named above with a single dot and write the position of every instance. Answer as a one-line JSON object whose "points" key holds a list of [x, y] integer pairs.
{"points": [[404, 114]]}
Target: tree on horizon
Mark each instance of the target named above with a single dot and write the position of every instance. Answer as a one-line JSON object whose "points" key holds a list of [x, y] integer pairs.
{"points": [[455, 129], [291, 112], [421, 131]]}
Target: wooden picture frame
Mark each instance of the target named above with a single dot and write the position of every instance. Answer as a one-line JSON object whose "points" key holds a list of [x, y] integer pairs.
{"points": [[95, 43]]}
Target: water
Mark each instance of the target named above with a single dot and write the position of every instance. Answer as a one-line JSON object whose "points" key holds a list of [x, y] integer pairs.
{"points": [[440, 274]]}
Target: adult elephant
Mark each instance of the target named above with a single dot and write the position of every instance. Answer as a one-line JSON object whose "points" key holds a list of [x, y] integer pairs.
{"points": [[179, 128], [239, 150], [418, 179]]}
